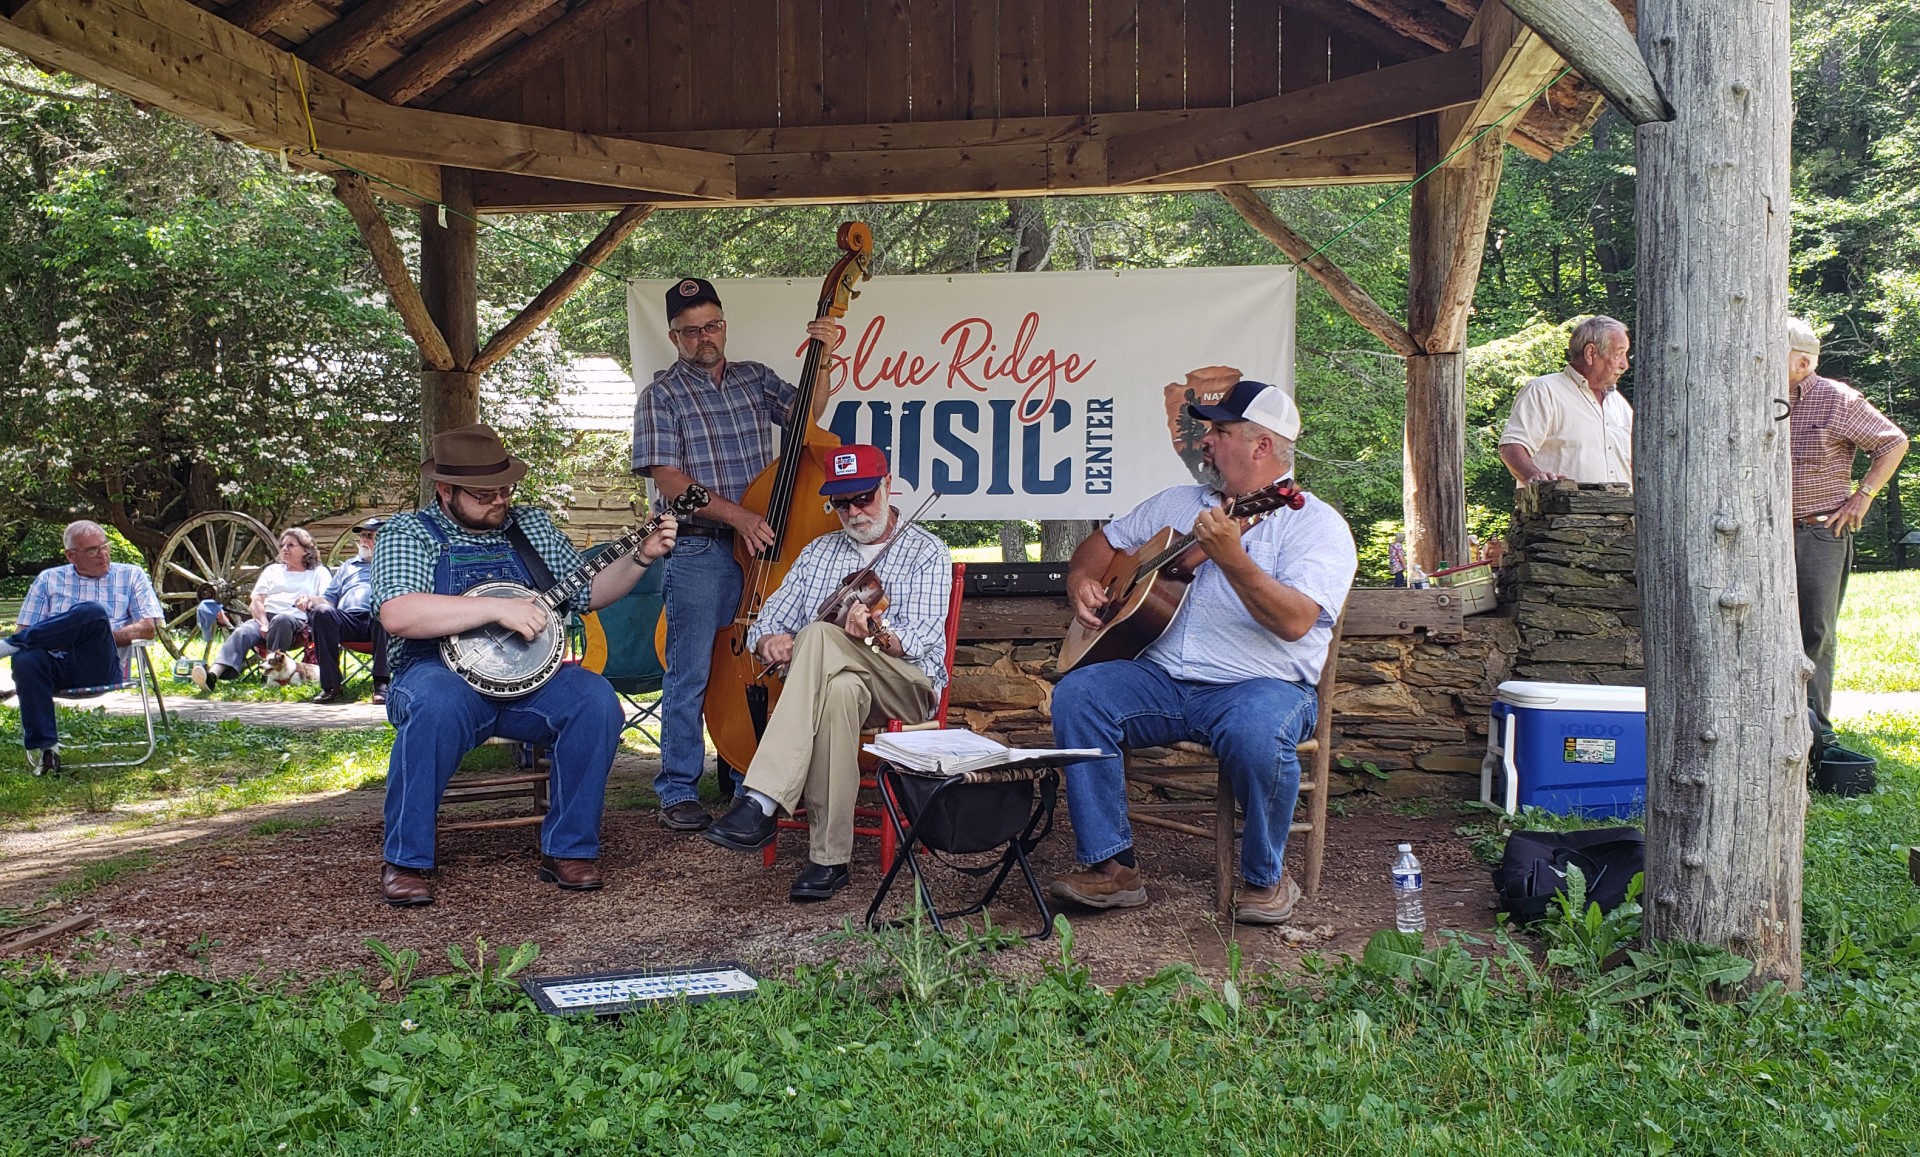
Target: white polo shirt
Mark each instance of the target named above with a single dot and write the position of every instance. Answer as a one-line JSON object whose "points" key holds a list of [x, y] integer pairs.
{"points": [[1570, 434]]}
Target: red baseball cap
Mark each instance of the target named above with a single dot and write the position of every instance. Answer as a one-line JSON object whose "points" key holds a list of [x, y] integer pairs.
{"points": [[854, 469]]}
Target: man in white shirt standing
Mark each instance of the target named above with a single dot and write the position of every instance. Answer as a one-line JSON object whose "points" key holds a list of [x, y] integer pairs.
{"points": [[1574, 425]]}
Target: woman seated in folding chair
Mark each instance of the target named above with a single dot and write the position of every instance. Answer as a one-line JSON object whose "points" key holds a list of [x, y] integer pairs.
{"points": [[274, 606], [846, 674], [74, 624]]}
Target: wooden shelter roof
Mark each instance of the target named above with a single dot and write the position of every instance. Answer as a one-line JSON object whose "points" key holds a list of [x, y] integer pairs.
{"points": [[574, 104]]}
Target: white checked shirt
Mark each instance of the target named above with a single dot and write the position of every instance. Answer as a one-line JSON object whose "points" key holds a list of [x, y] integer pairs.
{"points": [[918, 576], [124, 590], [1213, 637]]}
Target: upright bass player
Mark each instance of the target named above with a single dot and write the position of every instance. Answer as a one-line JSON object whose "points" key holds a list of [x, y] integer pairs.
{"points": [[708, 420]]}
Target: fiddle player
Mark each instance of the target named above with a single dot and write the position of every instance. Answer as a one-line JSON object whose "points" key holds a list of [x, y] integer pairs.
{"points": [[708, 420], [422, 563], [843, 676], [1235, 669]]}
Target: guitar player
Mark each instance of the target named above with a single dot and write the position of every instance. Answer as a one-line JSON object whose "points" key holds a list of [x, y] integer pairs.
{"points": [[422, 563], [1235, 667]]}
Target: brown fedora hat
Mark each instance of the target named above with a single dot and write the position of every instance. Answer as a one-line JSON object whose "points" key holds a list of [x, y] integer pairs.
{"points": [[472, 456]]}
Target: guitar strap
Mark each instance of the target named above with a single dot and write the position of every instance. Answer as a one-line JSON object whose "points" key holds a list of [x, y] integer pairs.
{"points": [[543, 579]]}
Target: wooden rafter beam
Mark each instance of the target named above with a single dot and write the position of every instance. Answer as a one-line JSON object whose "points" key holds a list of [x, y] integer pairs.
{"points": [[192, 63], [1416, 21], [1346, 23], [1358, 303], [392, 264], [259, 17], [1514, 65], [1356, 102], [561, 288], [339, 46], [506, 71], [453, 49], [1593, 37], [1011, 157]]}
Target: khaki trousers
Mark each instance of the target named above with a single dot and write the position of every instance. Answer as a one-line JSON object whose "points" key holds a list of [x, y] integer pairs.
{"points": [[834, 687]]}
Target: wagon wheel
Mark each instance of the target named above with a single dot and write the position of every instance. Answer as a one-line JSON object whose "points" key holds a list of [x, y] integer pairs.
{"points": [[223, 549], [345, 547]]}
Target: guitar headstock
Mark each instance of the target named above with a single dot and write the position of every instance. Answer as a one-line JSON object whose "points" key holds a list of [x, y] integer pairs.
{"points": [[1269, 498], [691, 500]]}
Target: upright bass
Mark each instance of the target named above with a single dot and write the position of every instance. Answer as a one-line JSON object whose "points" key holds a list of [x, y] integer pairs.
{"points": [[740, 694]]}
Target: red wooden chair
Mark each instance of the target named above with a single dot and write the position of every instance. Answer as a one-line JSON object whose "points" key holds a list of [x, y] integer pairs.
{"points": [[872, 821]]}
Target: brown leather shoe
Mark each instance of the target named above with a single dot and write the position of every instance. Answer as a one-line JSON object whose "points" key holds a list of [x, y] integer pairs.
{"points": [[405, 887], [1109, 885], [1273, 904], [572, 875]]}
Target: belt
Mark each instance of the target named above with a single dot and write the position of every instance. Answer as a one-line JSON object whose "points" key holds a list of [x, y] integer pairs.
{"points": [[1815, 519], [706, 531]]}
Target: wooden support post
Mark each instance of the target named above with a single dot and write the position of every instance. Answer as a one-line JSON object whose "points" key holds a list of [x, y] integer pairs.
{"points": [[1727, 733], [1447, 239], [449, 283], [414, 312], [562, 287], [1593, 37]]}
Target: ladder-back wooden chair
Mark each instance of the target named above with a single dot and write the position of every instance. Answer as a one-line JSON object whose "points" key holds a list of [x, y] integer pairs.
{"points": [[1203, 790]]}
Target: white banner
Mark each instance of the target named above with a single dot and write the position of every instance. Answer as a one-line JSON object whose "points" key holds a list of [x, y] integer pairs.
{"points": [[1016, 395]]}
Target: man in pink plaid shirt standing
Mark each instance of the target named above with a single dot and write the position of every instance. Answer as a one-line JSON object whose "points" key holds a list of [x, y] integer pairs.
{"points": [[1831, 422]]}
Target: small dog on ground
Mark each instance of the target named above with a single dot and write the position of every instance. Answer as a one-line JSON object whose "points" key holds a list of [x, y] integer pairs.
{"points": [[283, 670]]}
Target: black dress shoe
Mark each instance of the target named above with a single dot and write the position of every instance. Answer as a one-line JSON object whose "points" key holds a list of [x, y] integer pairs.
{"points": [[744, 829], [329, 695], [818, 881]]}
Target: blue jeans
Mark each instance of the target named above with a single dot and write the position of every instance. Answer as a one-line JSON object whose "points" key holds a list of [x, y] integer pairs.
{"points": [[279, 634], [1253, 727], [702, 591], [71, 649], [437, 719]]}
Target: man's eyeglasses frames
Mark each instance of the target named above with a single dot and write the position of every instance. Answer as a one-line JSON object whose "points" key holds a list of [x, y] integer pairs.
{"points": [[714, 328], [849, 501], [488, 497]]}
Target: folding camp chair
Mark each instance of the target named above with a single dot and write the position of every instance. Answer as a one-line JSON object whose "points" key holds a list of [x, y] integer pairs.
{"points": [[617, 641], [1009, 808], [139, 674], [872, 821]]}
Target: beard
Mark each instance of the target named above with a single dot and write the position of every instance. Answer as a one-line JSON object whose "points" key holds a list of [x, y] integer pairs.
{"points": [[866, 529], [1209, 475], [487, 520]]}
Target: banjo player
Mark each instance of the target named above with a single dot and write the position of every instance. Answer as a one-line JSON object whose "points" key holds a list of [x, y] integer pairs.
{"points": [[422, 564]]}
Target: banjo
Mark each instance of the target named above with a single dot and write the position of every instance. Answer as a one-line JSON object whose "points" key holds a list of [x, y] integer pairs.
{"points": [[500, 664]]}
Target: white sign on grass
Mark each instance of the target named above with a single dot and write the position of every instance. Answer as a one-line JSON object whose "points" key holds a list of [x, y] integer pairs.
{"points": [[1016, 395]]}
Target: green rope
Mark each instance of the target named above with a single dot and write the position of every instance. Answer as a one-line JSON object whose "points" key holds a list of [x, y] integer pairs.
{"points": [[1441, 164]]}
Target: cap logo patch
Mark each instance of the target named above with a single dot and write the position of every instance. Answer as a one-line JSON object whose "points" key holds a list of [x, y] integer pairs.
{"points": [[689, 287], [845, 464]]}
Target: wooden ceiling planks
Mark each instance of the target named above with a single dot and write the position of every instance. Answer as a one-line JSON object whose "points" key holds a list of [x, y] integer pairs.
{"points": [[1209, 64], [1256, 51]]}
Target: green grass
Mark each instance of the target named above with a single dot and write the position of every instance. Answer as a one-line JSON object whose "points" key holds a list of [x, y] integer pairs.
{"points": [[102, 873], [203, 769], [1880, 633], [911, 1046]]}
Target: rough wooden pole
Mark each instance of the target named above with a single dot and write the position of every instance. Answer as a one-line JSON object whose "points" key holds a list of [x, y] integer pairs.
{"points": [[1447, 237], [1727, 731], [449, 283], [556, 293]]}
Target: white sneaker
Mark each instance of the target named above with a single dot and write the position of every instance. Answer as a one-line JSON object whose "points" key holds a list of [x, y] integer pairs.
{"points": [[199, 676]]}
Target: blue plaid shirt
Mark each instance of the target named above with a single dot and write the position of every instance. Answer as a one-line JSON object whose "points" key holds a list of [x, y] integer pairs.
{"points": [[125, 590], [918, 575], [721, 436], [1213, 637]]}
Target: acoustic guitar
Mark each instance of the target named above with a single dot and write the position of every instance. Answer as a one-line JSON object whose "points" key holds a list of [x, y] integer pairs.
{"points": [[1146, 586]]}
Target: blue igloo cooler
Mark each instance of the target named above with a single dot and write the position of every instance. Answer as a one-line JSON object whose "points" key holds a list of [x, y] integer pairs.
{"points": [[1567, 747]]}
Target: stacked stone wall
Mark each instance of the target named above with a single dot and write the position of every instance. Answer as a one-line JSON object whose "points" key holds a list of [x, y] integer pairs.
{"points": [[1569, 585]]}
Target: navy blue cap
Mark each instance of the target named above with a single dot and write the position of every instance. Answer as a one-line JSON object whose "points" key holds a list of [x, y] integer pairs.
{"points": [[688, 293]]}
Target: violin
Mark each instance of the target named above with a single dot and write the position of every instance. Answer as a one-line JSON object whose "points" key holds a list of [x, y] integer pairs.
{"points": [[864, 586]]}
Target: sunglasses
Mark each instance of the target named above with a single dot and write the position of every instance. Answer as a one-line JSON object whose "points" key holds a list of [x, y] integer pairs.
{"points": [[849, 501], [487, 497]]}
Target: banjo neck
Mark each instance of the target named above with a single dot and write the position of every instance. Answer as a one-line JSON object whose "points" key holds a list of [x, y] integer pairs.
{"points": [[582, 577]]}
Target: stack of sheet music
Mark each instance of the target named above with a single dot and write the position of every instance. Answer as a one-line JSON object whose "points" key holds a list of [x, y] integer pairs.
{"points": [[955, 749]]}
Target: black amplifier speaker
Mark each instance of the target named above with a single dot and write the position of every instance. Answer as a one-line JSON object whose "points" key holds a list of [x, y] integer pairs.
{"points": [[1002, 579]]}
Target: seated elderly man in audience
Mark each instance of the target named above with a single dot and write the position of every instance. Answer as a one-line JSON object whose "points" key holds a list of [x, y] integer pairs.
{"points": [[276, 614], [344, 612], [73, 625]]}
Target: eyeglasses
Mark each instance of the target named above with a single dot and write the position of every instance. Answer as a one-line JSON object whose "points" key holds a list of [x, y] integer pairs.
{"points": [[490, 496], [102, 549], [849, 501], [714, 328]]}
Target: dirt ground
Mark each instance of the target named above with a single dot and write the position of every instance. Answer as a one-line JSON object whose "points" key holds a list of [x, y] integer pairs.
{"points": [[293, 888]]}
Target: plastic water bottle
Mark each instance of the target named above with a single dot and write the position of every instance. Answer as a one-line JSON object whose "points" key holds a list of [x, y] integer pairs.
{"points": [[1409, 912]]}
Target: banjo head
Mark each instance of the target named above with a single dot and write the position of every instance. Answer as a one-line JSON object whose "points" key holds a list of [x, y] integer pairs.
{"points": [[496, 661]]}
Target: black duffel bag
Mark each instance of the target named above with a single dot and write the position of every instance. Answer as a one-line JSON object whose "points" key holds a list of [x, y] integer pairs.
{"points": [[1534, 869]]}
